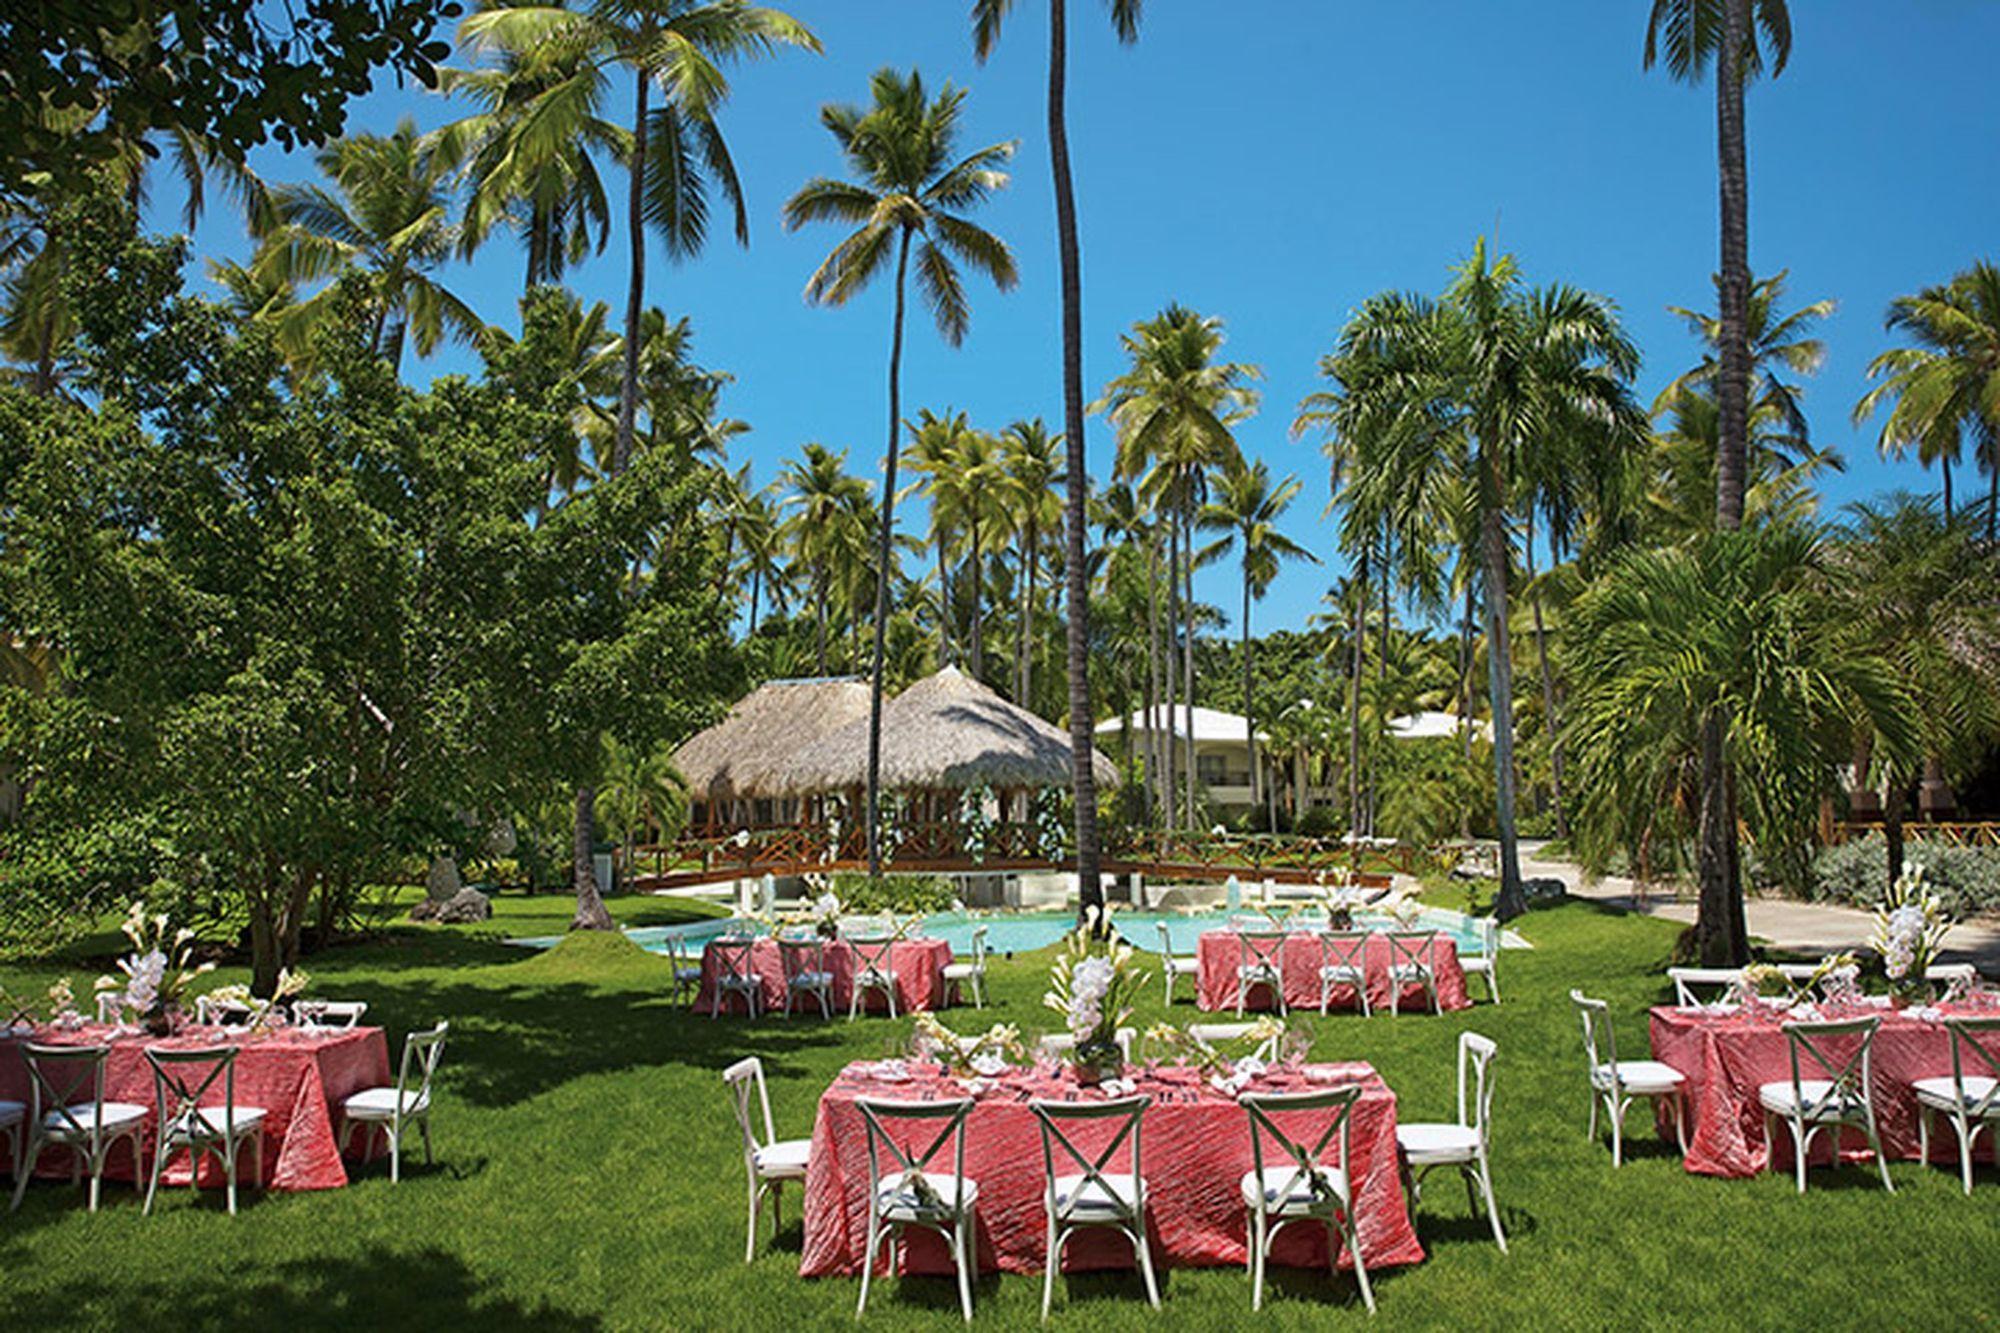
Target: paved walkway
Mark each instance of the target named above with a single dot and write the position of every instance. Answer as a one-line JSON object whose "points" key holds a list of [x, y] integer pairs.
{"points": [[1810, 928]]}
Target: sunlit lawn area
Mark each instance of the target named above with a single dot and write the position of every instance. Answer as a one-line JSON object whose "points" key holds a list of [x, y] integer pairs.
{"points": [[590, 1175]]}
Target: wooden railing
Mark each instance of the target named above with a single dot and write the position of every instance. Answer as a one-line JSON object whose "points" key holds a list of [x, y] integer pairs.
{"points": [[1952, 833]]}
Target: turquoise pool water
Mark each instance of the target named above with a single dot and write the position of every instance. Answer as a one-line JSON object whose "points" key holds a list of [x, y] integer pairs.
{"points": [[1024, 932]]}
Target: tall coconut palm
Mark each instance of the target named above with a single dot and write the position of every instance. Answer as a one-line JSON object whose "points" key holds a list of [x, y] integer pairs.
{"points": [[910, 191], [1738, 38], [936, 440], [679, 48], [1245, 508], [987, 17], [762, 551], [821, 498], [1031, 459], [1175, 408], [388, 213], [1947, 386]]}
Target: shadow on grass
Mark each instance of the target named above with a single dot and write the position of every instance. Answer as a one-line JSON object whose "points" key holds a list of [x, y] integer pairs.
{"points": [[377, 1288]]}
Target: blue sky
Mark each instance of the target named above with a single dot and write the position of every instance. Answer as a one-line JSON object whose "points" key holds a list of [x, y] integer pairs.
{"points": [[1277, 163]]}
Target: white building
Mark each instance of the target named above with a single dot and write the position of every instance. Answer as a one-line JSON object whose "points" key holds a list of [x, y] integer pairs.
{"points": [[1221, 750]]}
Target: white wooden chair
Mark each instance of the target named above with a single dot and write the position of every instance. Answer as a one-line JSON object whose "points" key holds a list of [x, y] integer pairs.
{"points": [[1800, 977], [1214, 1033], [806, 973], [1298, 1185], [768, 1161], [1343, 961], [110, 1006], [736, 974], [960, 975], [184, 1123], [910, 1194], [1971, 1101], [14, 1126], [687, 971], [1486, 963], [1172, 966], [394, 1110], [1463, 1143], [67, 1110], [1093, 1194], [1260, 961], [1689, 982], [1963, 974], [211, 1012], [330, 1015], [1841, 1099], [1615, 1084], [1055, 1045], [874, 970], [1413, 962]]}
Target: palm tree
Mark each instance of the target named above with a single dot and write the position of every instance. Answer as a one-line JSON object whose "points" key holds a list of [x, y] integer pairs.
{"points": [[1174, 409], [1947, 386], [1128, 519], [1690, 36], [529, 156], [388, 214], [910, 190], [935, 444], [987, 16], [822, 499], [757, 530], [680, 47], [1486, 384], [1033, 466], [1246, 509]]}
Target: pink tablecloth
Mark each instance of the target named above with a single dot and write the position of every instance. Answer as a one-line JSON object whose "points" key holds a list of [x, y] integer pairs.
{"points": [[919, 967], [1218, 955], [1727, 1057], [1196, 1151], [298, 1077]]}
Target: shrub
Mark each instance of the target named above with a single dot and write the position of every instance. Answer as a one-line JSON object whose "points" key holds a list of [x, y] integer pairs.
{"points": [[1966, 878], [1319, 822], [893, 893]]}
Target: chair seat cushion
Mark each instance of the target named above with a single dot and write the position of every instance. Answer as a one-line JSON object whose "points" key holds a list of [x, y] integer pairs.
{"points": [[730, 981], [869, 976], [115, 1117], [1342, 972], [1080, 1196], [810, 980], [963, 971], [784, 1158], [210, 1122], [383, 1103], [1184, 967], [1476, 963], [12, 1113], [1820, 1100], [687, 976], [1413, 971], [1640, 1076], [1287, 1189], [1438, 1143], [897, 1199], [1257, 970], [1938, 1092]]}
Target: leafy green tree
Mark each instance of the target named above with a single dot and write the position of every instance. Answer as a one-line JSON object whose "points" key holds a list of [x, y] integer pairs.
{"points": [[823, 499], [1946, 387], [910, 189], [987, 18]]}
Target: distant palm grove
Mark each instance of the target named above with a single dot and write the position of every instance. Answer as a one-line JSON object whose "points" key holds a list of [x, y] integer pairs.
{"points": [[277, 627]]}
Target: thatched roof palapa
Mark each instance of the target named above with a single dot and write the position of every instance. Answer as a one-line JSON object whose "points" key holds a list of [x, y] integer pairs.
{"points": [[946, 731], [737, 758]]}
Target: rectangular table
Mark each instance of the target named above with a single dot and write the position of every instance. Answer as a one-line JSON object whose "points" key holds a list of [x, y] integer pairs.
{"points": [[919, 966], [1219, 953], [1727, 1057], [1197, 1150], [299, 1077]]}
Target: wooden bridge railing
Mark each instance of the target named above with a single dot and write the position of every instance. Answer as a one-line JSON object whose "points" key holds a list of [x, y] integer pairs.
{"points": [[1952, 833]]}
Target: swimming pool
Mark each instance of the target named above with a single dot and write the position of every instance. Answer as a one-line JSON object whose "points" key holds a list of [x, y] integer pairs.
{"points": [[1025, 932]]}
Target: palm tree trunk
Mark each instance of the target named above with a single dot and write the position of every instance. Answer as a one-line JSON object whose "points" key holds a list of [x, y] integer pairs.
{"points": [[1733, 382], [882, 567], [635, 287], [1170, 741], [1892, 821], [590, 913], [1381, 698], [1156, 769], [978, 598], [819, 616], [1465, 699], [1187, 649], [1024, 621], [1249, 703], [1090, 887], [1548, 686], [944, 595], [1944, 469], [1992, 500], [1512, 902], [756, 587]]}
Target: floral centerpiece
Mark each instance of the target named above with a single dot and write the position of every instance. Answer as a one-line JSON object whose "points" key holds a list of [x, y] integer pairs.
{"points": [[1165, 1041], [1761, 982], [1342, 898], [983, 1054], [157, 972], [264, 1014], [1910, 925], [1408, 909], [62, 1006], [1091, 985], [1838, 978]]}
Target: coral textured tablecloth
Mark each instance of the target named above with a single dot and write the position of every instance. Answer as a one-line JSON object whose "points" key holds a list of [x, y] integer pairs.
{"points": [[1196, 1151], [299, 1077], [919, 967], [1726, 1057], [1218, 957]]}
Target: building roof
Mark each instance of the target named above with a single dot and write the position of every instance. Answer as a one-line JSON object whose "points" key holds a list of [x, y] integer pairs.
{"points": [[1210, 724], [947, 730], [1429, 725], [736, 758]]}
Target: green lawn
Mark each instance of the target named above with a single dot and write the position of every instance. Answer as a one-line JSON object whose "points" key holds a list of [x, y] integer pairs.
{"points": [[590, 1176]]}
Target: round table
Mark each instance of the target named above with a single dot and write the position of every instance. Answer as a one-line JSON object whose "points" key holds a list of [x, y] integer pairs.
{"points": [[1196, 1151]]}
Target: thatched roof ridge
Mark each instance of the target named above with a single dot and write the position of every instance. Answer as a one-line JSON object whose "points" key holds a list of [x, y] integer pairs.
{"points": [[947, 730], [736, 758]]}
